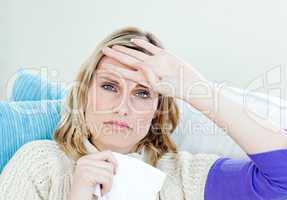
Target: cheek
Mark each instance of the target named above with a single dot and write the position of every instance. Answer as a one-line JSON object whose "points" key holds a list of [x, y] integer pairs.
{"points": [[142, 121], [99, 106], [146, 110], [143, 108]]}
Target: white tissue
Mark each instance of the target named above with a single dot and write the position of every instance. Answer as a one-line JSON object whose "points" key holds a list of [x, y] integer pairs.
{"points": [[134, 180]]}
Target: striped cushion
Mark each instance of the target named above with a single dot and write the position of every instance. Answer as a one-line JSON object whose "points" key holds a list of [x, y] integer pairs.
{"points": [[24, 121], [32, 113], [31, 87]]}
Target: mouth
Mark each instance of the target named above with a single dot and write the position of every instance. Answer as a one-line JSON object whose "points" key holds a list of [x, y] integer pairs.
{"points": [[118, 124]]}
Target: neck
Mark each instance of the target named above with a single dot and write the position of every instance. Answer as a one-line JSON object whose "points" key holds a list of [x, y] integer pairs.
{"points": [[102, 147]]}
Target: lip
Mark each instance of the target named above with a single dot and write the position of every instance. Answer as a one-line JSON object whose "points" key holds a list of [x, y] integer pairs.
{"points": [[119, 124]]}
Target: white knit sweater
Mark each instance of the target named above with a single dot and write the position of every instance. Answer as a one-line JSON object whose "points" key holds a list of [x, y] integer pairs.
{"points": [[40, 170]]}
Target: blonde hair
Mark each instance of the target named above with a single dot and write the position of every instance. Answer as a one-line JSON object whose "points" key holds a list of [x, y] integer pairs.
{"points": [[72, 129]]}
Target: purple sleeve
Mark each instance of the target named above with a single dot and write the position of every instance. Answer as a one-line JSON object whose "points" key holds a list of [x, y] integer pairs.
{"points": [[263, 176]]}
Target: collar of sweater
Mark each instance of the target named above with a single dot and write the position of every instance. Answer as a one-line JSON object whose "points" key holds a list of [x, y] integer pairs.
{"points": [[141, 155]]}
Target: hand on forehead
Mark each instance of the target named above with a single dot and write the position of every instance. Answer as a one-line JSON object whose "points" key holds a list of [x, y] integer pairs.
{"points": [[122, 71]]}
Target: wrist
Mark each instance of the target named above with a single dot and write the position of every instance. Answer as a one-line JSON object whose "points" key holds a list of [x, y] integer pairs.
{"points": [[196, 87], [202, 95], [193, 83], [81, 193]]}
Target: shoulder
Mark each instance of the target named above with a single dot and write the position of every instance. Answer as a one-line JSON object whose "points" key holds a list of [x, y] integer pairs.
{"points": [[188, 165], [37, 146], [44, 155], [40, 150], [186, 162], [183, 158], [187, 170], [34, 170]]}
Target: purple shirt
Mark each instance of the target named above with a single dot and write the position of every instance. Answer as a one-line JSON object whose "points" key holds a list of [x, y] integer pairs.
{"points": [[263, 176]]}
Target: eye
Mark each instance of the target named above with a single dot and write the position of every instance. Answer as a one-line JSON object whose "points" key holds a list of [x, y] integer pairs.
{"points": [[144, 94], [109, 87]]}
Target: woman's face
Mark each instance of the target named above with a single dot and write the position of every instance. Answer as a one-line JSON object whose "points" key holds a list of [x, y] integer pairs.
{"points": [[120, 107]]}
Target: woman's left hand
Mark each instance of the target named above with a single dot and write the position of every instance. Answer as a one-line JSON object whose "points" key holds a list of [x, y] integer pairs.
{"points": [[166, 73]]}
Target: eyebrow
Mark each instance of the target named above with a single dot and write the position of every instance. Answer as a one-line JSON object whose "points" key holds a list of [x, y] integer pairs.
{"points": [[116, 82]]}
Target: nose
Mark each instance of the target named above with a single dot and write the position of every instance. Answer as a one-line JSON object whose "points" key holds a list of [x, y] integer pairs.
{"points": [[122, 112], [123, 106]]}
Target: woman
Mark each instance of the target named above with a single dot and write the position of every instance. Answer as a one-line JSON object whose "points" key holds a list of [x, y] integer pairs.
{"points": [[124, 101]]}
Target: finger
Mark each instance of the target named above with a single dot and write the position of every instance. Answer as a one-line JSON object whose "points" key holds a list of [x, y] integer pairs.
{"points": [[146, 45], [136, 76], [105, 180], [110, 167], [121, 57], [131, 52], [105, 165], [105, 156], [150, 76], [101, 177]]}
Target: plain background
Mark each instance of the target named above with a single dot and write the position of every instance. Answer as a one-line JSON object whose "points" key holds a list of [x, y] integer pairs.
{"points": [[242, 42]]}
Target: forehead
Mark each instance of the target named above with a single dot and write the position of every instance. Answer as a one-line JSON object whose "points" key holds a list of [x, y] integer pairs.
{"points": [[107, 60], [110, 63]]}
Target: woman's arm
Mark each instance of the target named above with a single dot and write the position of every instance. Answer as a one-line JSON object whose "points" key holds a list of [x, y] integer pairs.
{"points": [[263, 175], [171, 76], [253, 135]]}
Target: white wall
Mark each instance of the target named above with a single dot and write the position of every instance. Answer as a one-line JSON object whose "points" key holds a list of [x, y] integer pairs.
{"points": [[228, 40]]}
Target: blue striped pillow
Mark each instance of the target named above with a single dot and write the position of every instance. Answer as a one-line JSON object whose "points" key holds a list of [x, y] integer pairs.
{"points": [[32, 113], [31, 87], [25, 121]]}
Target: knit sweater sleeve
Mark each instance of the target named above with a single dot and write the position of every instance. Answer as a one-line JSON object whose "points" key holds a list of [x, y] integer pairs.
{"points": [[194, 172], [27, 174]]}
